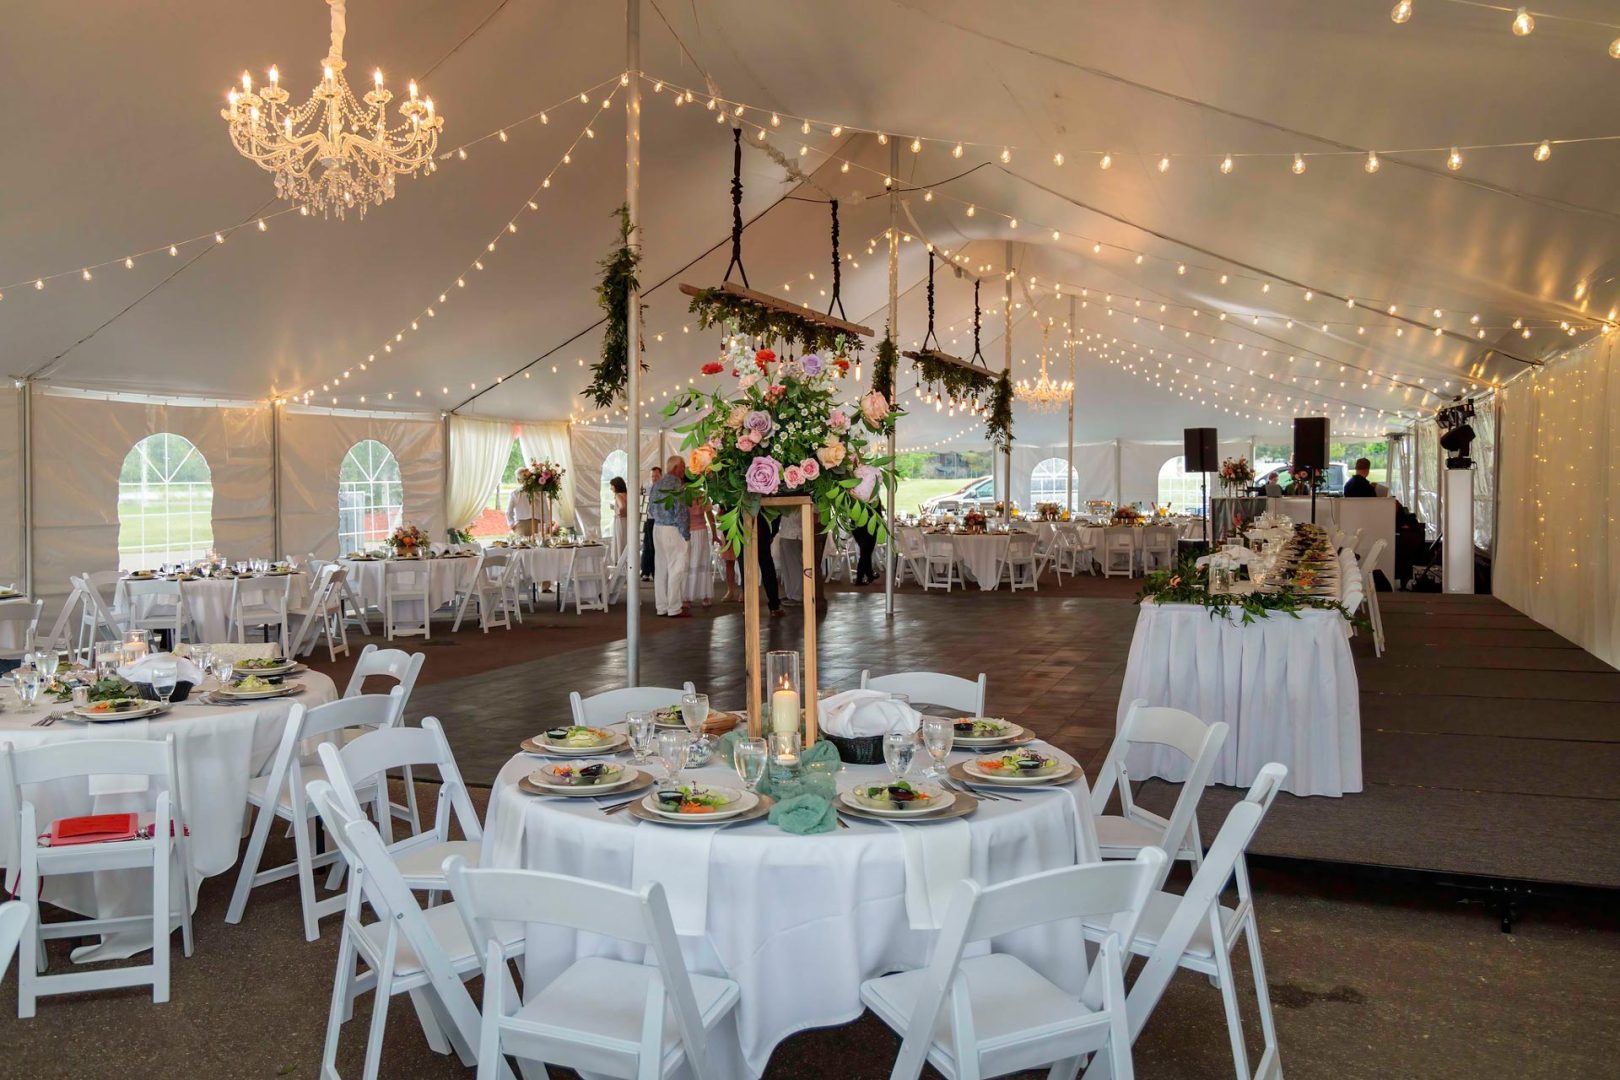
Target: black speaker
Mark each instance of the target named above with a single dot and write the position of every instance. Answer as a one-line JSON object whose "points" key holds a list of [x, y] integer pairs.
{"points": [[1200, 449], [1311, 442]]}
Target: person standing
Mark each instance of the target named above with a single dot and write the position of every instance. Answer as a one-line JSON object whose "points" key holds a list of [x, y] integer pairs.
{"points": [[866, 542], [1358, 486], [647, 525], [621, 514], [764, 533], [733, 575], [523, 513], [790, 530], [671, 530], [700, 553]]}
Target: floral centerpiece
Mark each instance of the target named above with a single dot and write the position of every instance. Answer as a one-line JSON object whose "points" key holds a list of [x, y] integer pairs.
{"points": [[1237, 475], [540, 480], [1127, 515], [407, 540], [974, 523], [1048, 511], [774, 426]]}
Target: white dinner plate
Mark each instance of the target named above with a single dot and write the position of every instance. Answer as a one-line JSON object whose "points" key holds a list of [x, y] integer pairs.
{"points": [[256, 695], [539, 745], [144, 709], [995, 776], [1013, 731], [739, 802], [264, 672], [626, 775], [939, 799]]}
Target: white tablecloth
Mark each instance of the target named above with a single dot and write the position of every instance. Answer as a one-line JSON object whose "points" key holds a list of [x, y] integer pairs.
{"points": [[445, 580], [982, 557], [1287, 688], [797, 921], [219, 749], [208, 601]]}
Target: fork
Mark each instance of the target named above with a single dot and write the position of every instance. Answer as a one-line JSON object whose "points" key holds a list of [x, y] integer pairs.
{"points": [[614, 808]]}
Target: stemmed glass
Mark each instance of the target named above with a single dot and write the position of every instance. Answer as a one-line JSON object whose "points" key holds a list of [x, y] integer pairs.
{"points": [[695, 712], [899, 748], [938, 735], [673, 746], [224, 668], [47, 661], [204, 660], [642, 729], [748, 757], [164, 678]]}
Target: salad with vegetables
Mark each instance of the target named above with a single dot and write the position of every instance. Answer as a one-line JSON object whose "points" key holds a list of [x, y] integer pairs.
{"points": [[251, 684], [1023, 762], [668, 716], [577, 736], [981, 727], [260, 663], [113, 706], [692, 800], [896, 796], [597, 772]]}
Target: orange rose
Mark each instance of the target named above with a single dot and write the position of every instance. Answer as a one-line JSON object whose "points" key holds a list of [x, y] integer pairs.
{"points": [[698, 462]]}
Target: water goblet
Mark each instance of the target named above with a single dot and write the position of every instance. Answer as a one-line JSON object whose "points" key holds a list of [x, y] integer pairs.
{"points": [[748, 757], [26, 683], [643, 730], [673, 746], [204, 659], [47, 662], [938, 735], [164, 678], [695, 712], [899, 748]]}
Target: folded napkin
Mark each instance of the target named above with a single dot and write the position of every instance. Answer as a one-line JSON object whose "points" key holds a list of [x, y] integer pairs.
{"points": [[804, 815], [141, 670], [856, 714], [678, 859], [937, 857]]}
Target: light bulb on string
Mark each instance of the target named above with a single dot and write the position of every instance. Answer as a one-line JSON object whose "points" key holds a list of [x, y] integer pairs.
{"points": [[1614, 49], [1543, 150], [1401, 12], [1106, 161], [1299, 164], [1006, 155], [1454, 159], [1373, 163], [1226, 164], [1523, 22], [1164, 164]]}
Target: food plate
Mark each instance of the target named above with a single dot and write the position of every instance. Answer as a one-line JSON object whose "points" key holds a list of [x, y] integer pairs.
{"points": [[933, 799], [961, 806], [118, 709], [668, 717], [630, 781], [249, 689], [761, 807], [1007, 731], [722, 802], [611, 742], [972, 771], [264, 667]]}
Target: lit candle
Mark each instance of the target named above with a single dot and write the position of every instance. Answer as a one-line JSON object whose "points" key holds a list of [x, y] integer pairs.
{"points": [[784, 709]]}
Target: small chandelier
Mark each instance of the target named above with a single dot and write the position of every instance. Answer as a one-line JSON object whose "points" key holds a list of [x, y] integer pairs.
{"points": [[332, 154], [1045, 394]]}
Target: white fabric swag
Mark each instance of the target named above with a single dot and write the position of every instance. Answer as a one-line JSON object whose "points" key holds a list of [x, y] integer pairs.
{"points": [[478, 455], [550, 442]]}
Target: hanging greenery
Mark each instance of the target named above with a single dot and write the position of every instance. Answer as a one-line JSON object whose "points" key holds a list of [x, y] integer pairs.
{"points": [[888, 357], [718, 307], [998, 417], [611, 374], [1188, 583], [952, 377]]}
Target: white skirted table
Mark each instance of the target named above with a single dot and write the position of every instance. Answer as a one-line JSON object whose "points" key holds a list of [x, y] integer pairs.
{"points": [[447, 576], [219, 749], [982, 556], [208, 600], [797, 921], [1287, 688]]}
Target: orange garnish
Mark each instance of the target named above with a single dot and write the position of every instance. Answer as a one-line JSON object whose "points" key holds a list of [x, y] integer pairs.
{"points": [[696, 808], [990, 763]]}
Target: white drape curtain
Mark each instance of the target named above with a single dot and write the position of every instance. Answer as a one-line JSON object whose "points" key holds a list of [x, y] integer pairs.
{"points": [[1557, 545], [11, 539], [591, 447], [1426, 439], [478, 453], [1399, 451], [1484, 455], [550, 442]]}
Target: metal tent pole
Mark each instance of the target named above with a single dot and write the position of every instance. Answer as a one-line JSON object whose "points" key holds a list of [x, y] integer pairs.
{"points": [[1006, 349], [1073, 389], [632, 201], [27, 523], [275, 480], [891, 331]]}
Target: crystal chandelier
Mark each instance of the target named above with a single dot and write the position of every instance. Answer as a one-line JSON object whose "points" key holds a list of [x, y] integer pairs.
{"points": [[1045, 394], [332, 153]]}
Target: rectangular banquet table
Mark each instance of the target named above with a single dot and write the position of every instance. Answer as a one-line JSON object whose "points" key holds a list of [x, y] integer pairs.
{"points": [[798, 921], [1285, 686]]}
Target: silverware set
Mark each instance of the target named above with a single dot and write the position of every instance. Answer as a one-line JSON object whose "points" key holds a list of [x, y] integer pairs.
{"points": [[47, 721], [953, 784]]}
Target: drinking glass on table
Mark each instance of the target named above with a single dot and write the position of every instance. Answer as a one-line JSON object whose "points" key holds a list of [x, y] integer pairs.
{"points": [[224, 668], [643, 730], [204, 659], [673, 746], [164, 678], [899, 748], [109, 657], [748, 757], [938, 735], [695, 712], [46, 662], [26, 682]]}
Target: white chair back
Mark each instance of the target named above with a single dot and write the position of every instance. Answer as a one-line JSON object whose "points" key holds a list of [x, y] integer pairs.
{"points": [[363, 763], [18, 623], [610, 706], [932, 688], [407, 581], [396, 664], [155, 604]]}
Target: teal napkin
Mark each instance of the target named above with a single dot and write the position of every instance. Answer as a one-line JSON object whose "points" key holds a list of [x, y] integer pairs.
{"points": [[804, 815]]}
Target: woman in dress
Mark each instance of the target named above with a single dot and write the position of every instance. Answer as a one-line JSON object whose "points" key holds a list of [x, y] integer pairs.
{"points": [[700, 554], [621, 512]]}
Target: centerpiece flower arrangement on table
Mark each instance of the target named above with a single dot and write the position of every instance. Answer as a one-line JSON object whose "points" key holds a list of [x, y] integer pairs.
{"points": [[973, 524], [1237, 475], [774, 426], [408, 541], [540, 480], [1048, 511]]}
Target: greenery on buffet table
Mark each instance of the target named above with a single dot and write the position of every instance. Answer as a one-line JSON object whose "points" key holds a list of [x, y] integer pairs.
{"points": [[611, 374], [1187, 583]]}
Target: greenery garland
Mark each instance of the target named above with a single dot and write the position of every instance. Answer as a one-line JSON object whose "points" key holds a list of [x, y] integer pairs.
{"points": [[888, 358], [1188, 583], [998, 417], [716, 307], [611, 374], [956, 379]]}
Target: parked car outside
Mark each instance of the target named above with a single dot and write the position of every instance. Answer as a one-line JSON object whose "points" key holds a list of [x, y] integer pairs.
{"points": [[977, 494]]}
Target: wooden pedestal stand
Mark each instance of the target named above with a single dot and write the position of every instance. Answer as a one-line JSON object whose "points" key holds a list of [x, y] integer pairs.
{"points": [[750, 558]]}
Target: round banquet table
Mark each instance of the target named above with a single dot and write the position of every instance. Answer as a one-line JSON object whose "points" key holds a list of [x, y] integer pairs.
{"points": [[541, 564], [446, 577], [1286, 687], [218, 749], [982, 556], [798, 921], [208, 601]]}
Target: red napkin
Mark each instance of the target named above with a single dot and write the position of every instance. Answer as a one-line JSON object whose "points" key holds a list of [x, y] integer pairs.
{"points": [[92, 829]]}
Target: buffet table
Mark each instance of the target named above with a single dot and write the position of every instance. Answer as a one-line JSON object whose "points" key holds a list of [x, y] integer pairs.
{"points": [[797, 921]]}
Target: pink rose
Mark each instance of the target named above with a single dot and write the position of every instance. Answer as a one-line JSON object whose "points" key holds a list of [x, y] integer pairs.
{"points": [[793, 476], [810, 468], [831, 455], [868, 477], [734, 419], [837, 420], [874, 406], [746, 441], [764, 476]]}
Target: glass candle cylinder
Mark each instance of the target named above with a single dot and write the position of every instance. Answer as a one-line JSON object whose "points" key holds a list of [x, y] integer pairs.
{"points": [[782, 684]]}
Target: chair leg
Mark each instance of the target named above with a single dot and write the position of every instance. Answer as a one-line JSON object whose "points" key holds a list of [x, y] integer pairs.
{"points": [[1234, 1019], [1270, 1061], [161, 900], [342, 1003], [30, 949], [380, 998], [432, 1030], [250, 859], [302, 845]]}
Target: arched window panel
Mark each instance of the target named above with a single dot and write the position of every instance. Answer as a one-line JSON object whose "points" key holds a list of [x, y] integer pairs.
{"points": [[614, 464], [1050, 482], [165, 503], [1179, 489], [371, 496]]}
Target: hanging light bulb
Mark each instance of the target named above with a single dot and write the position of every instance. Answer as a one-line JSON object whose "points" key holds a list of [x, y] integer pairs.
{"points": [[1226, 164], [1454, 159], [1523, 22], [1164, 164], [1544, 150], [1106, 161], [1006, 155], [1057, 158], [1299, 165], [1614, 49], [956, 151], [916, 146], [1401, 11], [1373, 163]]}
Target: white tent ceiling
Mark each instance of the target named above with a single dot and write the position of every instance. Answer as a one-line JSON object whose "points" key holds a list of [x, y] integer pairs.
{"points": [[114, 146]]}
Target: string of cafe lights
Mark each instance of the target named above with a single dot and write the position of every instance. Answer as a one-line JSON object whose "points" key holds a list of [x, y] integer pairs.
{"points": [[1521, 21], [129, 261], [460, 280]]}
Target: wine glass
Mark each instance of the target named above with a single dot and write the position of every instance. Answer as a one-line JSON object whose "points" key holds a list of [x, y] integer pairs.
{"points": [[695, 712], [673, 746], [643, 730], [47, 661], [938, 733], [748, 757], [164, 678], [109, 657], [204, 659], [899, 748], [224, 668]]}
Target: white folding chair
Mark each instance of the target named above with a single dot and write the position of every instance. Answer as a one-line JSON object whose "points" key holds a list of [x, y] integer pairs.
{"points": [[913, 554], [931, 687], [19, 623], [1158, 547], [363, 764], [425, 954], [162, 837], [587, 579], [586, 1018], [1119, 551], [1121, 836], [493, 587], [407, 582], [260, 602], [1197, 932], [322, 614], [1369, 586], [13, 921], [101, 618], [279, 795], [939, 563], [403, 668], [1023, 569], [155, 605], [610, 706], [992, 1014]]}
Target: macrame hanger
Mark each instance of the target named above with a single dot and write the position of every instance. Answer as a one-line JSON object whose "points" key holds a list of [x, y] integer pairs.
{"points": [[736, 208], [838, 269], [929, 337], [978, 357]]}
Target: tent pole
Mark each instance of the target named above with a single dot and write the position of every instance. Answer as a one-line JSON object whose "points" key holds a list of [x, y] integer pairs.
{"points": [[632, 202], [1006, 349], [275, 480], [1073, 389], [890, 331], [27, 524]]}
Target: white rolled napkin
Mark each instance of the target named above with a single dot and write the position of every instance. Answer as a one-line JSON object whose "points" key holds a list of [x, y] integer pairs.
{"points": [[141, 670], [855, 714]]}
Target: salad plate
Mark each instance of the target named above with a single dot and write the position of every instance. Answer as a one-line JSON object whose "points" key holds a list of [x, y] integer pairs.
{"points": [[118, 709], [253, 688], [698, 800], [278, 665], [668, 716], [986, 731], [961, 806], [761, 807], [582, 741], [1016, 768], [565, 781], [901, 799]]}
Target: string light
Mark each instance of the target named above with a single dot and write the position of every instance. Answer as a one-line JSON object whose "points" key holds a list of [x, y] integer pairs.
{"points": [[1454, 159], [1544, 149], [1299, 165], [1164, 163], [1226, 164], [1401, 11], [1373, 163], [1523, 23]]}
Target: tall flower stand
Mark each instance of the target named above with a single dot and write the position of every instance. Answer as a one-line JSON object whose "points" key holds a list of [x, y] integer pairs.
{"points": [[751, 591]]}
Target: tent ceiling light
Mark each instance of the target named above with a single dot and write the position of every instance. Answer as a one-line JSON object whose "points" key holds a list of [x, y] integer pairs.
{"points": [[332, 152]]}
